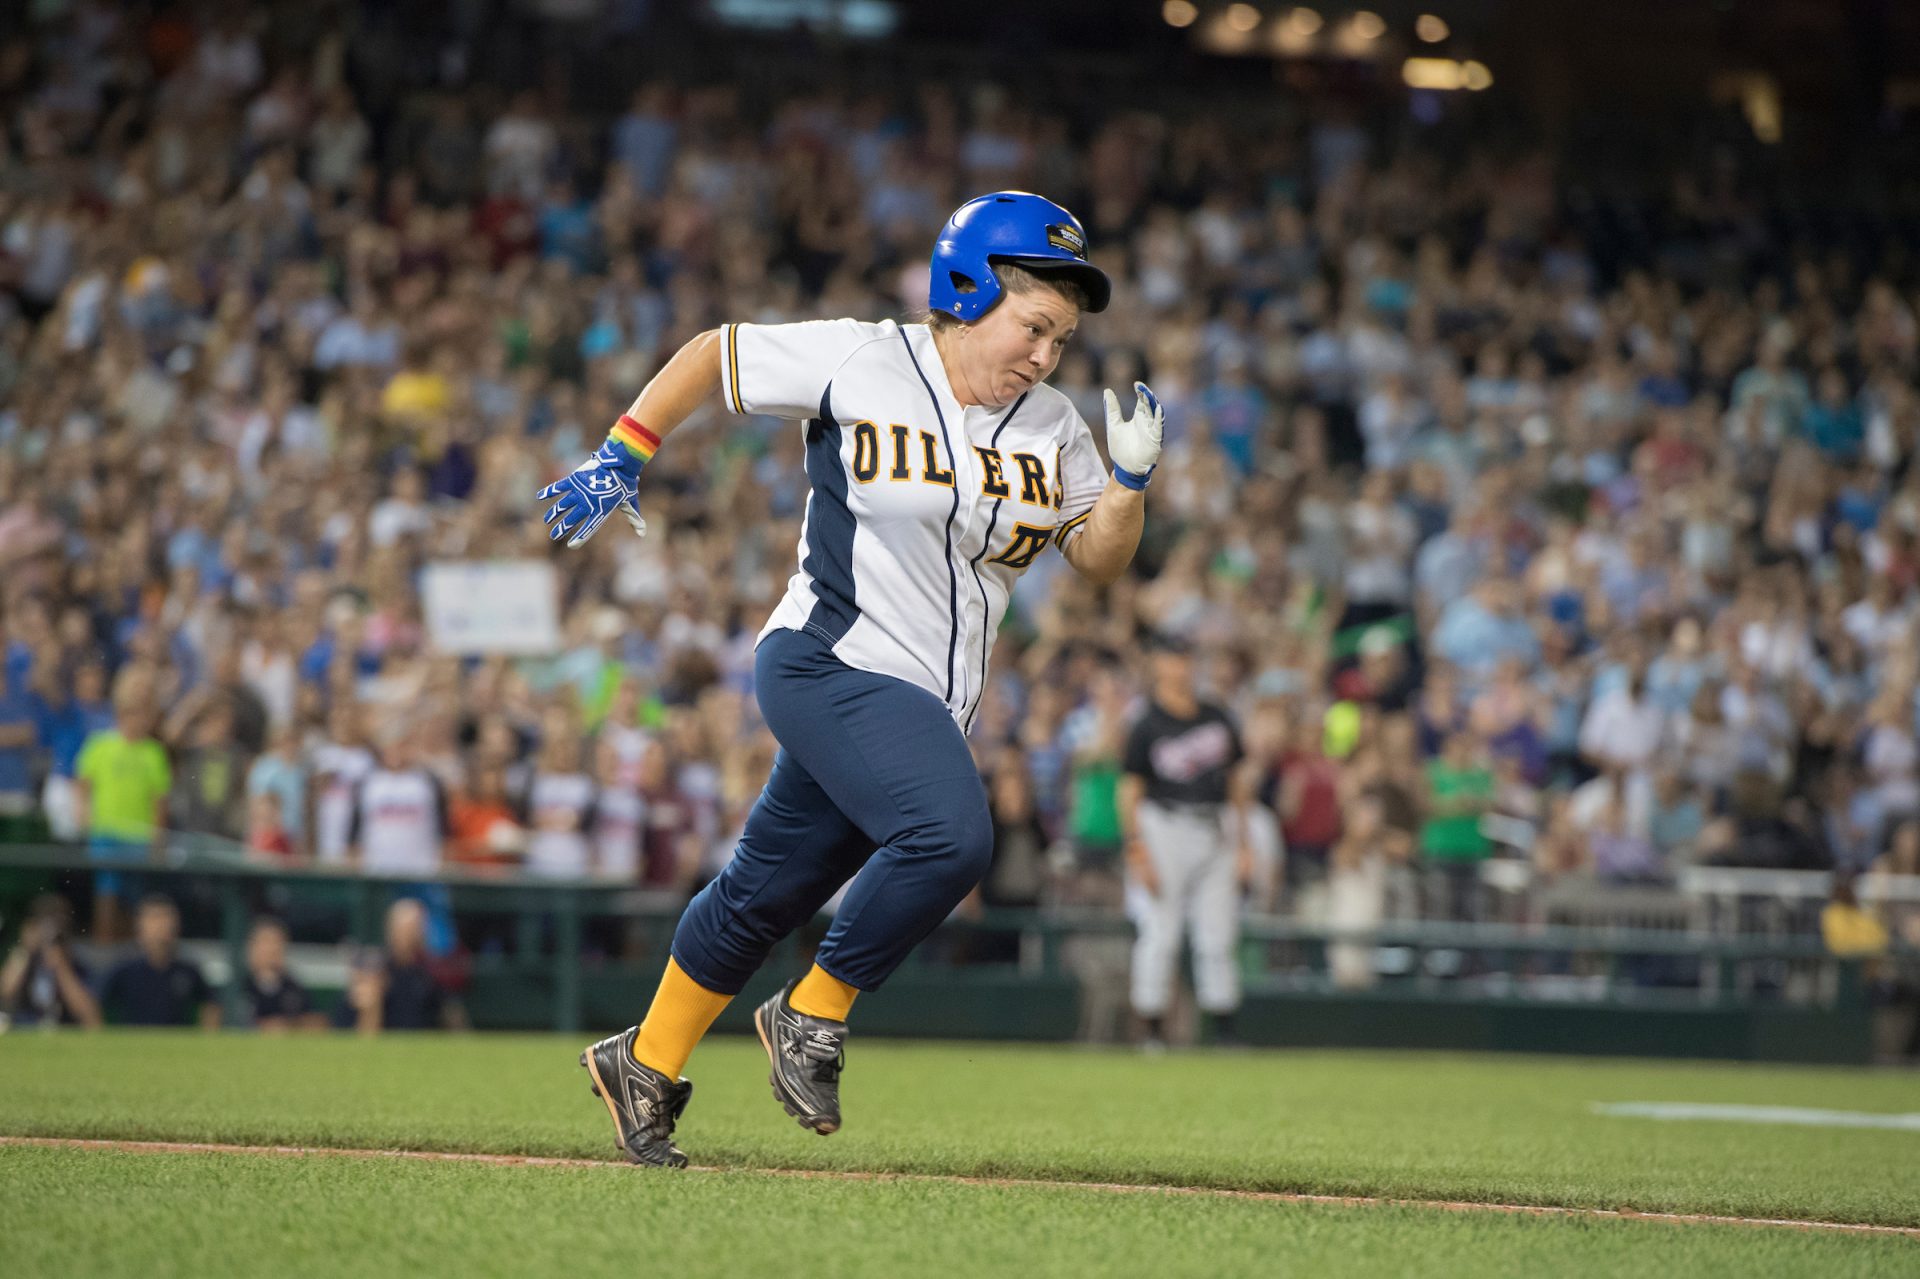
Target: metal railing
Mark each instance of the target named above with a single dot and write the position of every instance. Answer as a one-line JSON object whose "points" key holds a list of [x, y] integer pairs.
{"points": [[1589, 962], [235, 881]]}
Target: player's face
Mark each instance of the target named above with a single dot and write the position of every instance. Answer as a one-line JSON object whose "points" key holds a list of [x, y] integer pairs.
{"points": [[1018, 344]]}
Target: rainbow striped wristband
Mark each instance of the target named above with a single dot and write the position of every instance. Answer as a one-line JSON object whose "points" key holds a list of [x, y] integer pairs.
{"points": [[635, 438]]}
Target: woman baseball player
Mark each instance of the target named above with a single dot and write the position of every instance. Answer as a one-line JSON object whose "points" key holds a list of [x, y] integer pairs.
{"points": [[941, 466]]}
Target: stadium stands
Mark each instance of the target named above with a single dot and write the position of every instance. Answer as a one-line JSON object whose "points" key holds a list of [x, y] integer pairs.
{"points": [[1601, 504]]}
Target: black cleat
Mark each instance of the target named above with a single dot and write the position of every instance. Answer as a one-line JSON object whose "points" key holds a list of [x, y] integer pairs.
{"points": [[806, 1055], [643, 1102]]}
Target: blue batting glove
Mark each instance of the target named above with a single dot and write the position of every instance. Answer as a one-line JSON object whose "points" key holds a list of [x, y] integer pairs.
{"points": [[606, 482]]}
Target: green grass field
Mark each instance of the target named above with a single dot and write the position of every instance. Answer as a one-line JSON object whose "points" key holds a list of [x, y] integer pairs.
{"points": [[1501, 1130]]}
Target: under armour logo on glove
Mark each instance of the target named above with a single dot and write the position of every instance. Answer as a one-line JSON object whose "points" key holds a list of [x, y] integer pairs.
{"points": [[606, 482]]}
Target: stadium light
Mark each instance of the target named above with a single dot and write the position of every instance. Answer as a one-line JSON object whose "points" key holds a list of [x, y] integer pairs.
{"points": [[1304, 21], [1227, 32], [1432, 28], [1445, 74], [1357, 36], [1179, 13], [1431, 73]]}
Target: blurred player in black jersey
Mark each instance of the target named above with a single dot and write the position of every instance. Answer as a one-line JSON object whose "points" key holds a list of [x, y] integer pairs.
{"points": [[1183, 812]]}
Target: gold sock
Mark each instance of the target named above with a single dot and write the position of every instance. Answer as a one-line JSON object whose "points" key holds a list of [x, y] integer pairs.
{"points": [[821, 994], [681, 1011]]}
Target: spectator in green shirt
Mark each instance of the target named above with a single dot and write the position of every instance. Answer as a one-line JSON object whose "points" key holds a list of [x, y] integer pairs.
{"points": [[1460, 789], [1097, 735], [123, 777]]}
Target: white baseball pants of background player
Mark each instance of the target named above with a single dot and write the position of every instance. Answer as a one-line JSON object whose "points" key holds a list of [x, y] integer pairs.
{"points": [[1198, 901]]}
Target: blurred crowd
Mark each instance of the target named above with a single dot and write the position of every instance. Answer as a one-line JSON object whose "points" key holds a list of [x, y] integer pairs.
{"points": [[1506, 524]]}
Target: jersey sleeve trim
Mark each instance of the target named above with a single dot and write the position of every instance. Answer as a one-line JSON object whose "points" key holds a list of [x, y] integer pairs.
{"points": [[730, 366], [734, 396], [1060, 534]]}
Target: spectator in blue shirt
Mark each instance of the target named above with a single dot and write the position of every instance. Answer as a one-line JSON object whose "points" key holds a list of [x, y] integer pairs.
{"points": [[1479, 631], [645, 140], [16, 657], [1447, 567], [19, 737], [1239, 411], [362, 337], [1663, 386], [1833, 420], [567, 228], [280, 774], [67, 707], [17, 636]]}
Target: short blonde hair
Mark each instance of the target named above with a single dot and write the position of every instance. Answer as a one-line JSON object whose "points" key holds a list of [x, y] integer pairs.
{"points": [[133, 689], [1013, 279]]}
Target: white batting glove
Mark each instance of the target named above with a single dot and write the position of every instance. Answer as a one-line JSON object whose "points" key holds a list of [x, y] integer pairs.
{"points": [[1134, 442]]}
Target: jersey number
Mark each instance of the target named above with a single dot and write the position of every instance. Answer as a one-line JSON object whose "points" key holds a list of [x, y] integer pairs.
{"points": [[1028, 541]]}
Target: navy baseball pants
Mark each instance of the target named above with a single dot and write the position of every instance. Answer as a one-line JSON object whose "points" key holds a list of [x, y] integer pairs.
{"points": [[873, 783]]}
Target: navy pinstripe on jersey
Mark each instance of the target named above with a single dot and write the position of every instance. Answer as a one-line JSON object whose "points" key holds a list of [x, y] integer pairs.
{"points": [[993, 521], [953, 578]]}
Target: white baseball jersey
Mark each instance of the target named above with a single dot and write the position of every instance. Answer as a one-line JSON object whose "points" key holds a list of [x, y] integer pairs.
{"points": [[399, 821], [560, 813], [339, 770], [619, 820], [923, 512]]}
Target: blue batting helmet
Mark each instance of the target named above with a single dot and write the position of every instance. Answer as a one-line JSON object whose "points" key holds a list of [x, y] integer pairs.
{"points": [[1008, 226]]}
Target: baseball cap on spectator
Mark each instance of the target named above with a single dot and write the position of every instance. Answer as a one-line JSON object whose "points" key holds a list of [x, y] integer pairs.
{"points": [[1378, 641]]}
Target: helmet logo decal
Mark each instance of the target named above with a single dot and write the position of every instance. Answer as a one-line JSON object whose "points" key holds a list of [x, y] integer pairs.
{"points": [[1068, 239]]}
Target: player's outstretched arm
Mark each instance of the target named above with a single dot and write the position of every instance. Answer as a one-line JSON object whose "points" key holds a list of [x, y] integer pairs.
{"points": [[681, 384], [1112, 533], [609, 480]]}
